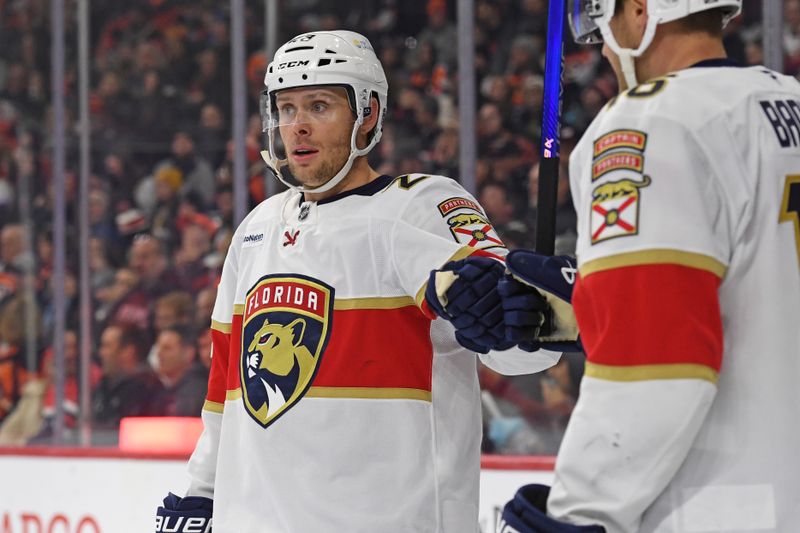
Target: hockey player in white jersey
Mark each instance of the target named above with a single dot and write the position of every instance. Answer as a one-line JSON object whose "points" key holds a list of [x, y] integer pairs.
{"points": [[687, 189], [336, 401]]}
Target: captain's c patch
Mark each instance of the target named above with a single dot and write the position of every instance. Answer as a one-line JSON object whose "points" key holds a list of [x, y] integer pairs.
{"points": [[620, 139], [615, 209], [285, 329]]}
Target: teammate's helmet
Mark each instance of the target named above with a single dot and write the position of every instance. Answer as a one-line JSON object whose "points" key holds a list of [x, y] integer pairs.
{"points": [[589, 20], [339, 58]]}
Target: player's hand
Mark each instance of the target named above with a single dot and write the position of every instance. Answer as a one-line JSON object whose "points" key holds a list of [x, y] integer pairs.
{"points": [[527, 513], [191, 514], [465, 293], [537, 301]]}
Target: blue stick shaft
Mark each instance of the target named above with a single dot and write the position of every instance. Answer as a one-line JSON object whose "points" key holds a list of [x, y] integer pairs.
{"points": [[551, 124]]}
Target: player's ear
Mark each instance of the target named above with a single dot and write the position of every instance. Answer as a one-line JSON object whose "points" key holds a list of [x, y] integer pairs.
{"points": [[371, 120], [638, 10]]}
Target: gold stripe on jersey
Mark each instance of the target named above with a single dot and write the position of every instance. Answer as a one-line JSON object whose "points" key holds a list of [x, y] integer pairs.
{"points": [[220, 326], [238, 309], [461, 253], [377, 302], [647, 372], [214, 407], [383, 393], [379, 393], [656, 256]]}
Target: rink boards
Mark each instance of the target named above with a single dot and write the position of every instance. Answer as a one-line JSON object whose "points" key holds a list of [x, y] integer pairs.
{"points": [[106, 491]]}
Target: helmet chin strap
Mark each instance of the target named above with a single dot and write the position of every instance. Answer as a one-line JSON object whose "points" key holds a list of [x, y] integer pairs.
{"points": [[627, 56], [628, 64], [276, 165]]}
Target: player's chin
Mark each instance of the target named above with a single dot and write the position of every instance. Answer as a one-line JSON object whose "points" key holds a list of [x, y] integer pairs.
{"points": [[308, 177]]}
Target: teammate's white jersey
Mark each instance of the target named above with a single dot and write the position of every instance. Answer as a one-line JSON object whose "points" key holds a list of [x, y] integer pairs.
{"points": [[335, 403], [687, 190]]}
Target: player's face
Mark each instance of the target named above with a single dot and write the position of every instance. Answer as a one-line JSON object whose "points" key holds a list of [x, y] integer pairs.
{"points": [[316, 125]]}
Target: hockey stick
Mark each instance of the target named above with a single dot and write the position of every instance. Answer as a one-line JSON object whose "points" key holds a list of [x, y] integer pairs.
{"points": [[551, 123]]}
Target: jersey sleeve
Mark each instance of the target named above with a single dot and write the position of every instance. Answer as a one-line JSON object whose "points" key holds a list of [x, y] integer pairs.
{"points": [[653, 247], [447, 221], [441, 206], [224, 321]]}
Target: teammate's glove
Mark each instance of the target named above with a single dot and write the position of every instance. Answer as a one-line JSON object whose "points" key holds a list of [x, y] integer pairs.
{"points": [[191, 514], [465, 293], [535, 277], [527, 513]]}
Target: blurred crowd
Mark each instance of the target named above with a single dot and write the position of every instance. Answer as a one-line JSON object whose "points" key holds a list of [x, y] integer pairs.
{"points": [[161, 193]]}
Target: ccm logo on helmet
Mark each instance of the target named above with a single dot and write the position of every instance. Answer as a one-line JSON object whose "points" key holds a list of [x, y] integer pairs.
{"points": [[290, 64]]}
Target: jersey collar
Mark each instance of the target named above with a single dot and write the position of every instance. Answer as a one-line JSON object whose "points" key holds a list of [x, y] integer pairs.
{"points": [[368, 189], [719, 62]]}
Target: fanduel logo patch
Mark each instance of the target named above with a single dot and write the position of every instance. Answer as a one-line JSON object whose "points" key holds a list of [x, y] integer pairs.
{"points": [[253, 239]]}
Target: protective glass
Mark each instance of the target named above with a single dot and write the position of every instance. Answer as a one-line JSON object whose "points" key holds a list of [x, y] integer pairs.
{"points": [[583, 17], [276, 113], [290, 150]]}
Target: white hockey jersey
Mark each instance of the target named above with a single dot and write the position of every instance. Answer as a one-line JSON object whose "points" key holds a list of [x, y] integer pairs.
{"points": [[687, 190], [335, 403]]}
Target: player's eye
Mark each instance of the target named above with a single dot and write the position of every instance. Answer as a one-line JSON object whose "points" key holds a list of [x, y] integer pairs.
{"points": [[319, 107]]}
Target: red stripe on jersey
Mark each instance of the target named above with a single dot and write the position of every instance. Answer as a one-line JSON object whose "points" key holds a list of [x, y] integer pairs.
{"points": [[650, 315], [221, 343], [236, 343], [378, 348]]}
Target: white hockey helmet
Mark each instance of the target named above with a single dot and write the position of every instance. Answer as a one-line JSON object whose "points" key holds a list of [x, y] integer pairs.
{"points": [[337, 58], [590, 23]]}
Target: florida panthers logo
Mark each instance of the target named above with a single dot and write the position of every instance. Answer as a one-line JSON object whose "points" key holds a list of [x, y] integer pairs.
{"points": [[286, 326]]}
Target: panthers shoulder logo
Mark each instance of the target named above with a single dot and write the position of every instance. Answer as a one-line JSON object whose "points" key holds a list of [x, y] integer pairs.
{"points": [[285, 329], [474, 229]]}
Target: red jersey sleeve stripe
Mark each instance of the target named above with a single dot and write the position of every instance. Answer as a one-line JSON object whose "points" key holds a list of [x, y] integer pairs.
{"points": [[661, 314], [221, 346]]}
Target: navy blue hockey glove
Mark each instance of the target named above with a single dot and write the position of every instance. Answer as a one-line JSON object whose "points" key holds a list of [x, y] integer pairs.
{"points": [[191, 514], [465, 293], [535, 279], [527, 513]]}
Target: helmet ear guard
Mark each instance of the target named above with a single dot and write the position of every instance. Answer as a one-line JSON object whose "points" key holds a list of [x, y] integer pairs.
{"points": [[336, 58], [590, 23]]}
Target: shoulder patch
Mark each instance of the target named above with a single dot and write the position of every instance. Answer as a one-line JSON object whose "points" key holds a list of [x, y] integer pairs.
{"points": [[615, 209], [452, 204], [474, 230], [622, 160], [620, 139]]}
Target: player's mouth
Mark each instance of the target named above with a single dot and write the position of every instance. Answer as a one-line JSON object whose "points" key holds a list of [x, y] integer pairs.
{"points": [[304, 154]]}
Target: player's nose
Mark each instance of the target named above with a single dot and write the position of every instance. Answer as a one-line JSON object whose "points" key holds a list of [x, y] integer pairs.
{"points": [[302, 129]]}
